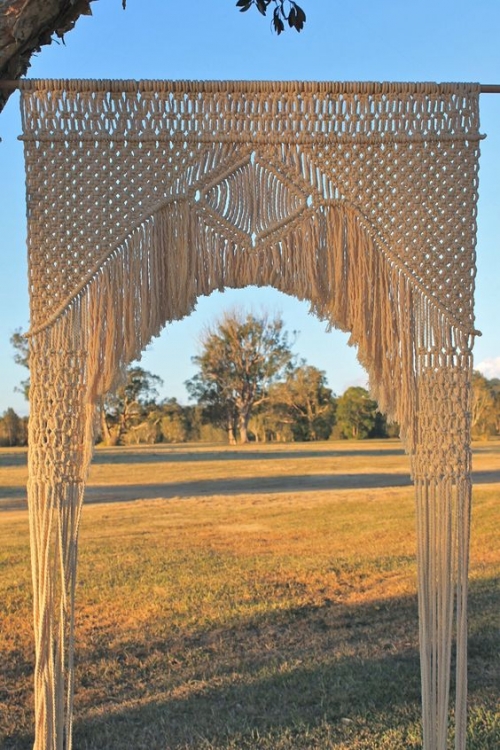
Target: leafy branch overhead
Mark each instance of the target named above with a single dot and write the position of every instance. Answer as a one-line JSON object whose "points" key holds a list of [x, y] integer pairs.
{"points": [[285, 12], [27, 25]]}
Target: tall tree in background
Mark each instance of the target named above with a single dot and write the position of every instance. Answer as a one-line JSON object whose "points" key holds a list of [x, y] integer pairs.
{"points": [[13, 429], [241, 357], [128, 406], [308, 401], [485, 402], [175, 423], [21, 357], [494, 385], [356, 413]]}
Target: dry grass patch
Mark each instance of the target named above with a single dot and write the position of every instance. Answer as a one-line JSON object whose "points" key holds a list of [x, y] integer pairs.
{"points": [[284, 620]]}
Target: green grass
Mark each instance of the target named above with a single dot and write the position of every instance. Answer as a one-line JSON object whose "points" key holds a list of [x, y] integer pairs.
{"points": [[283, 620]]}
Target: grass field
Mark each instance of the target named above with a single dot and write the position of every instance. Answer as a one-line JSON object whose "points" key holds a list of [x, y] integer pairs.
{"points": [[262, 597]]}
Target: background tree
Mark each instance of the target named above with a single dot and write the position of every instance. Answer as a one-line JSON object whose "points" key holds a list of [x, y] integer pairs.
{"points": [[484, 407], [177, 423], [273, 423], [13, 429], [494, 385], [383, 428], [241, 357], [21, 357], [356, 413], [128, 407], [309, 402]]}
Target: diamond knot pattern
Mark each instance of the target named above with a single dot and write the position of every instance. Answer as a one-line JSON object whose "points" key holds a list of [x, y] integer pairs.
{"points": [[254, 198]]}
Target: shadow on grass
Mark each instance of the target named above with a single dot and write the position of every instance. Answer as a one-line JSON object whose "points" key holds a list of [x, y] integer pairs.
{"points": [[244, 453], [297, 673], [16, 458], [246, 486], [261, 486], [167, 453], [14, 498]]}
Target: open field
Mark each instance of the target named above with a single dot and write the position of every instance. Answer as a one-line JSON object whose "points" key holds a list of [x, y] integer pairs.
{"points": [[259, 597]]}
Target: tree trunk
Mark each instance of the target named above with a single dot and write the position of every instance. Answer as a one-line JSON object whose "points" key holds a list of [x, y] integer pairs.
{"points": [[109, 436], [243, 427], [26, 25]]}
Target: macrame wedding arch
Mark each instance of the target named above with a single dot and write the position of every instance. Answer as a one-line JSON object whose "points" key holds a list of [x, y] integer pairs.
{"points": [[358, 197]]}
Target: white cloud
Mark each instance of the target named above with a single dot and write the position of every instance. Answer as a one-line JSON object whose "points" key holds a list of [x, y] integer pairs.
{"points": [[490, 367]]}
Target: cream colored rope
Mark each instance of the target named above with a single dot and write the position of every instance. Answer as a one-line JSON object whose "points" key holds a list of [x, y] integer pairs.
{"points": [[358, 197]]}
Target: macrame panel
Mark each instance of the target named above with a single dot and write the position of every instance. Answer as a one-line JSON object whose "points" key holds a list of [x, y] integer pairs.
{"points": [[360, 198]]}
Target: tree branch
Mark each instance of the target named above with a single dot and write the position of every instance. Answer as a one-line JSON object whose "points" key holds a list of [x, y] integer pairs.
{"points": [[26, 26]]}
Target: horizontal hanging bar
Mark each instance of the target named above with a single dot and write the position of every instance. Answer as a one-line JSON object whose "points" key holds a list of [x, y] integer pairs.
{"points": [[489, 88], [486, 88]]}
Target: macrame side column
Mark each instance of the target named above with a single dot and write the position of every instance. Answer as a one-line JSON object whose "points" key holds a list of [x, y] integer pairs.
{"points": [[58, 459], [442, 466]]}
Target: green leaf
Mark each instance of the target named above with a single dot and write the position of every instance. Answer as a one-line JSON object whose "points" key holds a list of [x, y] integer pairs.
{"points": [[300, 18], [278, 24], [261, 6]]}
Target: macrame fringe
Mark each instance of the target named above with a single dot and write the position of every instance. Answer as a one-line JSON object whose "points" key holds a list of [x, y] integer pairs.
{"points": [[413, 355]]}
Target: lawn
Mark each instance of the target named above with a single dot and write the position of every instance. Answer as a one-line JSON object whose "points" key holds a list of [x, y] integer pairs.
{"points": [[262, 597]]}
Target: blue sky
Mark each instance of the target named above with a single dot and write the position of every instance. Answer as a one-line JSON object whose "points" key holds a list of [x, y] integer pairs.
{"points": [[442, 40]]}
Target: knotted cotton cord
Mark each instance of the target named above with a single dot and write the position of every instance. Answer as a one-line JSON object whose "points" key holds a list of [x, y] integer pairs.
{"points": [[359, 197]]}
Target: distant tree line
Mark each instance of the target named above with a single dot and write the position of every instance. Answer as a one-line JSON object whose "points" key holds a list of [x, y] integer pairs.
{"points": [[485, 412], [13, 429], [249, 386]]}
